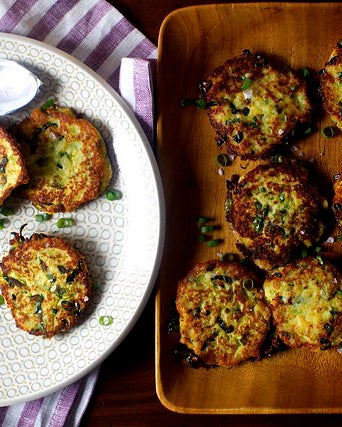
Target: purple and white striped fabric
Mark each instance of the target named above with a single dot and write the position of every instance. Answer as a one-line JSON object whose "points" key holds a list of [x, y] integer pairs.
{"points": [[98, 35]]}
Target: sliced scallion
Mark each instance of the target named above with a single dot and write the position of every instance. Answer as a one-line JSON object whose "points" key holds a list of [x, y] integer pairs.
{"points": [[238, 137], [305, 72], [202, 220], [308, 131], [248, 284], [64, 222], [42, 217], [304, 253], [319, 259], [112, 195], [247, 83], [208, 228], [6, 211], [105, 320], [3, 164], [203, 238], [328, 132], [199, 103], [214, 242], [48, 104], [2, 300], [223, 160]]}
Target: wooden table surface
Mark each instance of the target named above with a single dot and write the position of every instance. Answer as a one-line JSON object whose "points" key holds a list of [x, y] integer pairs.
{"points": [[125, 393]]}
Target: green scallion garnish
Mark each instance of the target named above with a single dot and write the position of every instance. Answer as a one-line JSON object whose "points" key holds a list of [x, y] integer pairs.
{"points": [[304, 253], [3, 164], [328, 132], [6, 211], [2, 224], [248, 284], [305, 72], [42, 217], [112, 195], [207, 228], [105, 320], [48, 104], [308, 131], [229, 257], [319, 259], [223, 160], [202, 220], [2, 300], [64, 222], [199, 103], [247, 83], [214, 242]]}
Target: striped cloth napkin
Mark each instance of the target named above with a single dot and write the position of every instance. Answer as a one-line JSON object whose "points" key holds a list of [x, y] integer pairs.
{"points": [[98, 35]]}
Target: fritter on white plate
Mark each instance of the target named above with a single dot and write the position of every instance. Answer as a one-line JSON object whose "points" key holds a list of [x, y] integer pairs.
{"points": [[66, 159], [331, 85], [223, 317], [12, 166], [253, 106], [46, 284], [274, 210], [306, 301]]}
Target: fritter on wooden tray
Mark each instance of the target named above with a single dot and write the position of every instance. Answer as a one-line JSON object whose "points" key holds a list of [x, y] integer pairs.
{"points": [[274, 210], [331, 85], [223, 316], [337, 198], [306, 300], [253, 106]]}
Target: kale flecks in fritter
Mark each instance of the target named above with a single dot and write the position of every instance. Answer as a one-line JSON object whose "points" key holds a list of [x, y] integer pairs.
{"points": [[254, 106], [45, 282], [223, 317], [12, 166], [66, 159], [331, 85], [306, 301], [274, 210]]}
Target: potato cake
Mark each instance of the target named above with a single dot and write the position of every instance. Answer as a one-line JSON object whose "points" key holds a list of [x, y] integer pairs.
{"points": [[337, 198], [45, 283], [66, 159], [331, 85], [223, 316], [12, 167], [253, 106], [306, 300], [274, 209]]}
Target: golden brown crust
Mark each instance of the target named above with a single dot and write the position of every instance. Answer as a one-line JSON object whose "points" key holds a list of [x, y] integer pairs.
{"points": [[253, 106], [331, 85], [12, 166], [337, 198], [223, 317], [46, 284], [274, 210], [306, 300], [66, 159]]}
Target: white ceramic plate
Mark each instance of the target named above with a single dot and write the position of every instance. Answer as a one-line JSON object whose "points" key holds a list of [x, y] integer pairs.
{"points": [[122, 240]]}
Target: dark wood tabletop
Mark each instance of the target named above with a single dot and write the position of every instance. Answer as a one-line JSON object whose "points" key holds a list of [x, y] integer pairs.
{"points": [[125, 392]]}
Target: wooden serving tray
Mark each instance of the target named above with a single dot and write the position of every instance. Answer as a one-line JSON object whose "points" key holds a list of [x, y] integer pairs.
{"points": [[193, 41]]}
